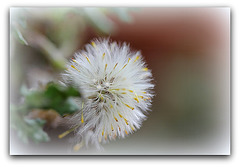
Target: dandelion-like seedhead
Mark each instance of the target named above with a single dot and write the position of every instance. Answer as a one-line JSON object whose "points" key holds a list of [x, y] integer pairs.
{"points": [[116, 90]]}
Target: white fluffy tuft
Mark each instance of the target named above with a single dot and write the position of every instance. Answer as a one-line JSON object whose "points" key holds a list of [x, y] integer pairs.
{"points": [[116, 90]]}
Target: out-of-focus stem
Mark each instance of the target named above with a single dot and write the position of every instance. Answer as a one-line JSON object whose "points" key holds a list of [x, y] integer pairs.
{"points": [[52, 53]]}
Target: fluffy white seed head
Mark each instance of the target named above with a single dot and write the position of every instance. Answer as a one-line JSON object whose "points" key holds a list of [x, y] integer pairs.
{"points": [[116, 90]]}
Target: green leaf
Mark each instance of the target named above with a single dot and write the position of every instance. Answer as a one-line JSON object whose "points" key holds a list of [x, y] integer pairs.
{"points": [[98, 19], [35, 131], [55, 97], [123, 14], [20, 37], [17, 24], [27, 128]]}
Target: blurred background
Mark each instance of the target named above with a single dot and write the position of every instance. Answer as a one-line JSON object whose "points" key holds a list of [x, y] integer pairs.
{"points": [[187, 49]]}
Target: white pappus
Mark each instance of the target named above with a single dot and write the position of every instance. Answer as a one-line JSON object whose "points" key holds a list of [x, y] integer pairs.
{"points": [[116, 88]]}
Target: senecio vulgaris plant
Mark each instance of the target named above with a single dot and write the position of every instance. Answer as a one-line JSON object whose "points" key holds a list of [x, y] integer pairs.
{"points": [[116, 92]]}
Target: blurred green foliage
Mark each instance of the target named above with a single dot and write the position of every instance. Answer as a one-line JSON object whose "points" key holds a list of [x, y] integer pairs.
{"points": [[58, 32], [27, 128], [54, 97], [42, 40]]}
